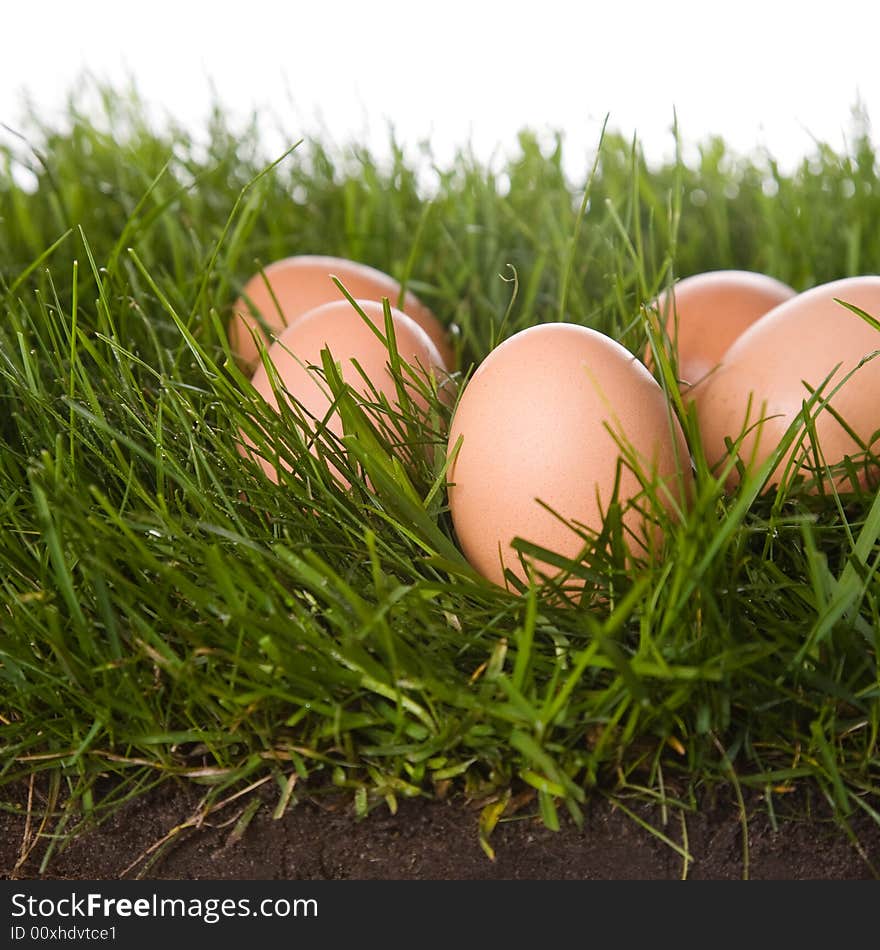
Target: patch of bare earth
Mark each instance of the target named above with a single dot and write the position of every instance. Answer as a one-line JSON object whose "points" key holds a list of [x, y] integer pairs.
{"points": [[163, 835]]}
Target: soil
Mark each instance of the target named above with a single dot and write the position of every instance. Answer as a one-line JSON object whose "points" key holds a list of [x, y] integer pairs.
{"points": [[320, 839]]}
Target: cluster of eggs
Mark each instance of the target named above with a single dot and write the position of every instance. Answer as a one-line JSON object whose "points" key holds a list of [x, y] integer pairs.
{"points": [[784, 359], [559, 421], [295, 308]]}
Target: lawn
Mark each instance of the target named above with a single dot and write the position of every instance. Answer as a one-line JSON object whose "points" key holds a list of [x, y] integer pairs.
{"points": [[168, 612]]}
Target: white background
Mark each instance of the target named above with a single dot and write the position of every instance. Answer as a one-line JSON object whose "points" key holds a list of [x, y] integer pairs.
{"points": [[773, 75]]}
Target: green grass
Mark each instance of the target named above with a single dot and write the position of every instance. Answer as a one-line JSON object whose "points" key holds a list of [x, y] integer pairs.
{"points": [[167, 612]]}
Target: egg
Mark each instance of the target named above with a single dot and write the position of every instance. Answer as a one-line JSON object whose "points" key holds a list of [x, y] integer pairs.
{"points": [[703, 314], [363, 358], [299, 284], [537, 424], [766, 375]]}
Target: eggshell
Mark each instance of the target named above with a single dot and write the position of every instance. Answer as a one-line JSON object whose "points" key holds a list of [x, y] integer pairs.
{"points": [[800, 342], [338, 327], [703, 314], [532, 422], [299, 284]]}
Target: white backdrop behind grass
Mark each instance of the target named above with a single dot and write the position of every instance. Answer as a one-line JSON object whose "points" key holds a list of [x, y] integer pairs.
{"points": [[773, 76]]}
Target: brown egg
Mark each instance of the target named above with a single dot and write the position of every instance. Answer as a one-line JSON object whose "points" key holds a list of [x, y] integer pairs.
{"points": [[702, 315], [338, 327], [774, 364], [533, 422], [299, 284]]}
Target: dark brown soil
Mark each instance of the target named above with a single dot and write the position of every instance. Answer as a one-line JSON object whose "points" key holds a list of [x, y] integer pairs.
{"points": [[434, 840]]}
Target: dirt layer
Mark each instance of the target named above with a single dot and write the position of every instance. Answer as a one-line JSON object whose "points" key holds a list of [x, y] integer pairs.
{"points": [[438, 840]]}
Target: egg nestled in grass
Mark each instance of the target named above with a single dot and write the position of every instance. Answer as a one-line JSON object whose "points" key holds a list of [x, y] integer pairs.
{"points": [[356, 342], [556, 423]]}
